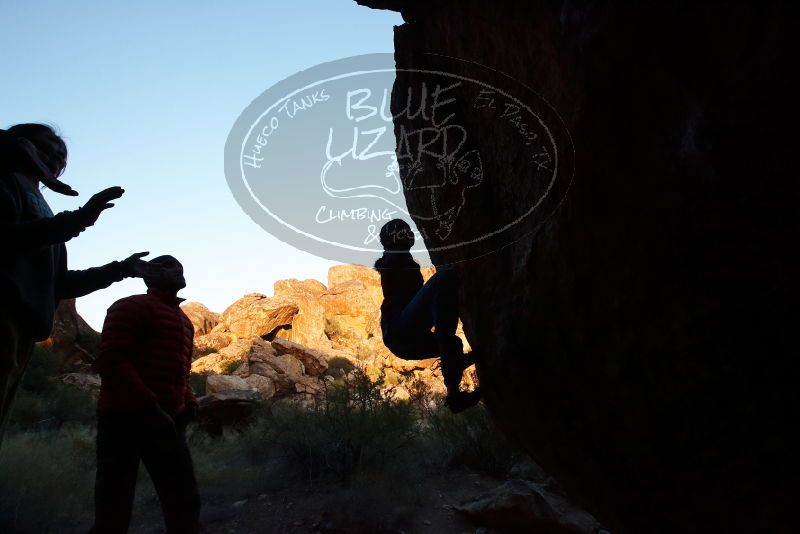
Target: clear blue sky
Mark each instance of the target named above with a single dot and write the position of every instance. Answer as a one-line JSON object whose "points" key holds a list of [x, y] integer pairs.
{"points": [[145, 94]]}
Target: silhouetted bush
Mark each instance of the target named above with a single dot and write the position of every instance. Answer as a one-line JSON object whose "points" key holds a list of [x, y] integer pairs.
{"points": [[469, 438], [198, 383], [358, 425], [45, 402], [379, 448], [47, 479]]}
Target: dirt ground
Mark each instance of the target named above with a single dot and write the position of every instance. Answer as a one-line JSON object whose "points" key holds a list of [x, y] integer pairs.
{"points": [[302, 509]]}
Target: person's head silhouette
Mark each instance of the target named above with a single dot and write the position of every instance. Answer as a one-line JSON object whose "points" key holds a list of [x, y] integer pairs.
{"points": [[51, 148], [169, 277], [397, 236], [42, 154]]}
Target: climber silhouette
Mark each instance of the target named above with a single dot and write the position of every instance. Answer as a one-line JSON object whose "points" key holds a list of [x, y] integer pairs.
{"points": [[33, 265], [410, 309], [145, 404]]}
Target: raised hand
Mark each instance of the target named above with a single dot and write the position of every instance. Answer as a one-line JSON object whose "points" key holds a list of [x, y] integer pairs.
{"points": [[136, 267], [99, 202]]}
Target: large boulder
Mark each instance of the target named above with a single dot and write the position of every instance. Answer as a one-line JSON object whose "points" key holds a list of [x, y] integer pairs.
{"points": [[525, 506], [229, 408], [221, 383], [86, 382], [263, 385], [214, 341], [226, 360], [283, 382], [339, 274], [72, 339], [258, 315], [203, 319], [308, 324], [314, 362], [639, 337], [350, 311]]}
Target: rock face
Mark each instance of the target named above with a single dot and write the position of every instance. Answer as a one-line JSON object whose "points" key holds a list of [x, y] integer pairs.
{"points": [[314, 363], [257, 315], [525, 506], [72, 339], [308, 325], [350, 310], [203, 319], [339, 274], [641, 343], [86, 382], [219, 338]]}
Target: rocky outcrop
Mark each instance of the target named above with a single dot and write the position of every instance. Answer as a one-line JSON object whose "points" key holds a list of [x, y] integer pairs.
{"points": [[222, 383], [308, 324], [216, 340], [72, 339], [228, 408], [640, 338], [340, 274], [314, 362], [203, 319], [350, 311], [525, 506], [86, 382], [258, 315]]}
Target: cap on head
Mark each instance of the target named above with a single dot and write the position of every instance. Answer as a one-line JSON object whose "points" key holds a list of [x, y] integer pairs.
{"points": [[164, 259], [171, 279]]}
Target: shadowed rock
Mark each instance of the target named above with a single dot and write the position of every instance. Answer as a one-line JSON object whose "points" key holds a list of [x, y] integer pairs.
{"points": [[641, 343], [72, 339], [525, 506]]}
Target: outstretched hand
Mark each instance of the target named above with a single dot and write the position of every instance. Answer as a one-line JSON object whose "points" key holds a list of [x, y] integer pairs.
{"points": [[99, 202], [138, 268]]}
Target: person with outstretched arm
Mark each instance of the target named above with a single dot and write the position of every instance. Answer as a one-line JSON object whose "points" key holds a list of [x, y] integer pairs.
{"points": [[33, 261], [410, 309], [145, 403]]}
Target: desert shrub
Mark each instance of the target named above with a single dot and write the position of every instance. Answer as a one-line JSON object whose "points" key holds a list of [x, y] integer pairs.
{"points": [[357, 426], [199, 353], [339, 367], [47, 480], [470, 439], [230, 366], [333, 328], [365, 352], [43, 401], [383, 502], [198, 383], [237, 464]]}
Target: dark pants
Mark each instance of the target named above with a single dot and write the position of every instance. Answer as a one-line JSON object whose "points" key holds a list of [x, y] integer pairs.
{"points": [[122, 441], [435, 305], [16, 347]]}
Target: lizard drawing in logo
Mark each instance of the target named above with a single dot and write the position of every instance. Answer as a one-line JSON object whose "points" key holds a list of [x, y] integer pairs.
{"points": [[444, 176], [435, 165]]}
